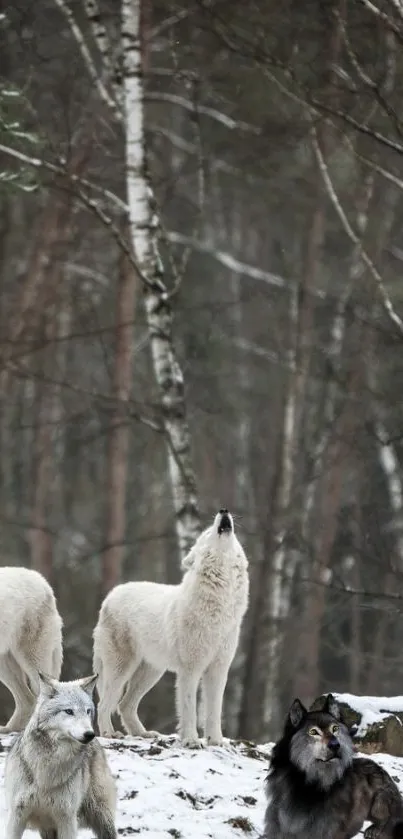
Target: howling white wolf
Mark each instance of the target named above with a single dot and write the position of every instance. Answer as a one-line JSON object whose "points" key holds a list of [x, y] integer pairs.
{"points": [[191, 629], [30, 638]]}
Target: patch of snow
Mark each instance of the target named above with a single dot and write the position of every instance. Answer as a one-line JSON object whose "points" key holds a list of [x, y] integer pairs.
{"points": [[167, 791]]}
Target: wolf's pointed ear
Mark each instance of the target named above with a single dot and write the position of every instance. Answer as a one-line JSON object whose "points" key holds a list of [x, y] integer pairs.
{"points": [[88, 683], [48, 686], [297, 713], [331, 707]]}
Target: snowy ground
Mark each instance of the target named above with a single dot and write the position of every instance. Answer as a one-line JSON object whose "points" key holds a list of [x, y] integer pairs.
{"points": [[167, 791]]}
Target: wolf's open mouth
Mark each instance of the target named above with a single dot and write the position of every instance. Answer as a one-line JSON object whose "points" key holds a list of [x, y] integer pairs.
{"points": [[225, 524]]}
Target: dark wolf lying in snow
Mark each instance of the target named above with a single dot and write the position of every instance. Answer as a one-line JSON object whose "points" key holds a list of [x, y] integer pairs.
{"points": [[317, 789], [57, 775]]}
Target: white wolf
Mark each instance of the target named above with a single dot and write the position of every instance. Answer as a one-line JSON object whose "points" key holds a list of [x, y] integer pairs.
{"points": [[191, 629], [30, 638], [56, 774]]}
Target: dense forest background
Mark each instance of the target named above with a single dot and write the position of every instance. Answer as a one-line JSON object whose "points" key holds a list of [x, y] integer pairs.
{"points": [[201, 305]]}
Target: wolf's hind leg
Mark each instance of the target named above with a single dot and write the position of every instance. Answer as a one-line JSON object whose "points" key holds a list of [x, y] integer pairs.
{"points": [[114, 675], [48, 834], [143, 679], [15, 679], [103, 825], [385, 812]]}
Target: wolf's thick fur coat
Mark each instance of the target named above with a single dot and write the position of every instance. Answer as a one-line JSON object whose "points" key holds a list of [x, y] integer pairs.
{"points": [[57, 775], [30, 638], [317, 788], [191, 629]]}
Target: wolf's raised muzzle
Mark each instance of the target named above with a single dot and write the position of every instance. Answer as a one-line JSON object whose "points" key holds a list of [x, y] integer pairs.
{"points": [[225, 525]]}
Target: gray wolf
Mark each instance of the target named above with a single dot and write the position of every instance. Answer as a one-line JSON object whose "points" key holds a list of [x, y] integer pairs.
{"points": [[191, 629], [56, 774], [30, 638], [317, 788]]}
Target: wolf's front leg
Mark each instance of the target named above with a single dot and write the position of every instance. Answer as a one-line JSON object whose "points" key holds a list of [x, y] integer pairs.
{"points": [[16, 825], [186, 700], [67, 827], [214, 681]]}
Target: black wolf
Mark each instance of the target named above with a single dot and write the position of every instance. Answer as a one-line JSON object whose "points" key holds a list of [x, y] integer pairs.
{"points": [[317, 789]]}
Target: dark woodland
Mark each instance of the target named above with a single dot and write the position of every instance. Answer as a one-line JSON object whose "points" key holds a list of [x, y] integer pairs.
{"points": [[201, 248]]}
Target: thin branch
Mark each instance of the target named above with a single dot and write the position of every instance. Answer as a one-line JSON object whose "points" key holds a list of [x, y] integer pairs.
{"points": [[353, 235], [382, 16], [123, 245], [219, 116], [227, 259], [87, 58], [100, 34], [127, 405], [56, 169]]}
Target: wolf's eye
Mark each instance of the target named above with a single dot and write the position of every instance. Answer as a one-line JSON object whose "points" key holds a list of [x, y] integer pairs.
{"points": [[89, 711], [334, 729], [69, 711], [314, 732]]}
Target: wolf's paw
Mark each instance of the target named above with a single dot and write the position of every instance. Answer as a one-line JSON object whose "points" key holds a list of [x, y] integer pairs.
{"points": [[112, 735], [192, 743], [148, 735], [215, 741]]}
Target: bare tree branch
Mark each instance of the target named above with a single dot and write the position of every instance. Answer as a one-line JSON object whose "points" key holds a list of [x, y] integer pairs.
{"points": [[387, 303]]}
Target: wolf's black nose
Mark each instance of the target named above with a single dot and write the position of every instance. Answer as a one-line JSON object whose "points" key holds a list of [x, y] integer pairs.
{"points": [[333, 744], [225, 525], [88, 736], [223, 511]]}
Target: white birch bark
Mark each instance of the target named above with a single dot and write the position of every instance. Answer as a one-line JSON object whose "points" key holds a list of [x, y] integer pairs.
{"points": [[144, 229], [390, 466]]}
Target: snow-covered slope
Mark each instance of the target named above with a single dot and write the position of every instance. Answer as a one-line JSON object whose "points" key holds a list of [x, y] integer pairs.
{"points": [[166, 791]]}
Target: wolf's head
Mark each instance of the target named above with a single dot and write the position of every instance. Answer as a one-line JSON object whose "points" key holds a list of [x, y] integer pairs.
{"points": [[219, 538], [317, 743], [65, 710]]}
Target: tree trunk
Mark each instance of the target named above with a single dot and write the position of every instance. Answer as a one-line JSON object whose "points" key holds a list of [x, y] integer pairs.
{"points": [[260, 701], [144, 229], [40, 536], [120, 427], [326, 485], [40, 296]]}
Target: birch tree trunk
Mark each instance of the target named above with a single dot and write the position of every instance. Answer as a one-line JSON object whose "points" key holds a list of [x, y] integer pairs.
{"points": [[144, 230]]}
